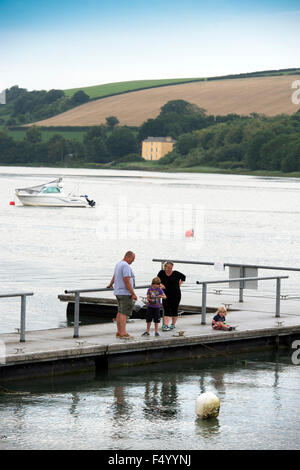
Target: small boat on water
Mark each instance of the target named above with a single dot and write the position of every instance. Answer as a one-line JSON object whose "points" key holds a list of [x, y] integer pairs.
{"points": [[51, 194]]}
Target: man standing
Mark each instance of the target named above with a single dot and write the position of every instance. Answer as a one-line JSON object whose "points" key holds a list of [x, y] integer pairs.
{"points": [[123, 282]]}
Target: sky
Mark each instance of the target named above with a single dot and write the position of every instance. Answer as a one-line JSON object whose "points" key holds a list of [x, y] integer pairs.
{"points": [[65, 44]]}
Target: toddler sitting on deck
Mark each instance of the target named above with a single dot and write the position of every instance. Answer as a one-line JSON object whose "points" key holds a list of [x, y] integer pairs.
{"points": [[219, 320]]}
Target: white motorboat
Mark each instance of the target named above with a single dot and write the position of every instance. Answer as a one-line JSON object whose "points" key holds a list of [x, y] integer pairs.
{"points": [[51, 194]]}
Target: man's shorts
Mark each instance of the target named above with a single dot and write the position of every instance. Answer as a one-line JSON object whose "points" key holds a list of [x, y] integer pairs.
{"points": [[125, 304]]}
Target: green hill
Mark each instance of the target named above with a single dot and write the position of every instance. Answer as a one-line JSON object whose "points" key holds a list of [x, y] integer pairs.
{"points": [[40, 106], [111, 89]]}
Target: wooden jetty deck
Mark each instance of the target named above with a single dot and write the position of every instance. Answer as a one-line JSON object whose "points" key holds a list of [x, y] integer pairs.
{"points": [[55, 351]]}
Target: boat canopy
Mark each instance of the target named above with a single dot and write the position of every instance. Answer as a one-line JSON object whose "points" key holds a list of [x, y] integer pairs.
{"points": [[53, 186]]}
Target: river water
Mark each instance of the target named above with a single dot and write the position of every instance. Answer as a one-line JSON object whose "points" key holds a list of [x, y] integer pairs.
{"points": [[247, 219], [239, 219], [154, 408]]}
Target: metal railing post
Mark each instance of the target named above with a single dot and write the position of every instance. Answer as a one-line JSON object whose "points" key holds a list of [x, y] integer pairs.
{"points": [[23, 319], [204, 291], [277, 314], [203, 309], [23, 310], [77, 293], [76, 315], [242, 284]]}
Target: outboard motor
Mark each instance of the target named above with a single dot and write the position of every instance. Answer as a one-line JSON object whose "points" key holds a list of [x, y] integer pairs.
{"points": [[90, 201]]}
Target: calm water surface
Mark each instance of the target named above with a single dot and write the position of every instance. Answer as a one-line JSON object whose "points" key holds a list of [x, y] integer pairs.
{"points": [[154, 408], [47, 250]]}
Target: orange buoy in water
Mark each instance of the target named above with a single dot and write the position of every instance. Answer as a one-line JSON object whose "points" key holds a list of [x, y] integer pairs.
{"points": [[11, 203], [189, 233]]}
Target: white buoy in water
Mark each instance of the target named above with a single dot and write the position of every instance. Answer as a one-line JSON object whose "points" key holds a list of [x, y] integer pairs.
{"points": [[207, 405]]}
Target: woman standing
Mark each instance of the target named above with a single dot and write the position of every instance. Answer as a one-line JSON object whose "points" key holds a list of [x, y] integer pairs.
{"points": [[170, 283]]}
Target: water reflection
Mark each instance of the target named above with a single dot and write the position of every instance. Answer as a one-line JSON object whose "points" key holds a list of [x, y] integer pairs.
{"points": [[160, 399], [218, 380], [206, 428], [121, 407], [74, 409], [154, 407]]}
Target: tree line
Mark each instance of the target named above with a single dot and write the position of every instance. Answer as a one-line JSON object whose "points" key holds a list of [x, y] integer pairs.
{"points": [[254, 142], [100, 144], [23, 106]]}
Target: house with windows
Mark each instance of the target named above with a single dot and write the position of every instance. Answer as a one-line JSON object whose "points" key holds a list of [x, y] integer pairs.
{"points": [[154, 148]]}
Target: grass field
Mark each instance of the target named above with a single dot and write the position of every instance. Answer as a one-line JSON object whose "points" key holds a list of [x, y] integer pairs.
{"points": [[47, 134], [109, 89]]}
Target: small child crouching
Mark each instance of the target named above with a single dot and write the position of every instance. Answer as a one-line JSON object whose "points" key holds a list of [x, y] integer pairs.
{"points": [[219, 320]]}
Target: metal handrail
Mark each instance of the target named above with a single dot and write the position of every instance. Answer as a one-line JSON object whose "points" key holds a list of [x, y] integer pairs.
{"points": [[204, 291], [280, 268], [77, 293], [23, 296], [242, 267]]}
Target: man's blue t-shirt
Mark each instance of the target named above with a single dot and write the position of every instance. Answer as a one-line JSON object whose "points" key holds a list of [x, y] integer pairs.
{"points": [[122, 270]]}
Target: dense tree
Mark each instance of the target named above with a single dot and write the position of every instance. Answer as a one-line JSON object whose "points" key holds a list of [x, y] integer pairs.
{"points": [[98, 131], [253, 155], [186, 142], [26, 106], [169, 158], [97, 151], [7, 148], [54, 95], [112, 121], [57, 149], [80, 97], [180, 107], [121, 142], [33, 135], [195, 157], [14, 92], [152, 128], [228, 117], [272, 152], [206, 138], [291, 161]]}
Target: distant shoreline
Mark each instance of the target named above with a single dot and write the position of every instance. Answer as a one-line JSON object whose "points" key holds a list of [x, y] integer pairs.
{"points": [[203, 169], [164, 169]]}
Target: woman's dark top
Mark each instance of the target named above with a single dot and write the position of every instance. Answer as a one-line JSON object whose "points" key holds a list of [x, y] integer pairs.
{"points": [[171, 283]]}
